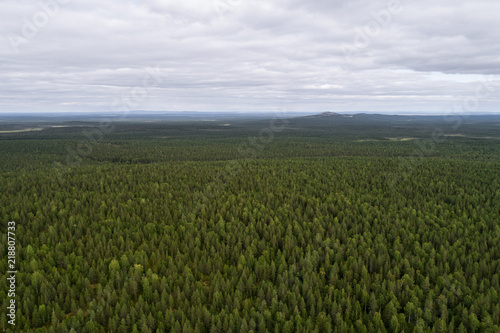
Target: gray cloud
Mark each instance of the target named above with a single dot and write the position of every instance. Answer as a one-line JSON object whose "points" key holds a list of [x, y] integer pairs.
{"points": [[345, 55]]}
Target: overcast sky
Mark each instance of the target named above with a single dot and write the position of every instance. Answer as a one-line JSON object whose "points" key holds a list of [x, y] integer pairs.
{"points": [[250, 55]]}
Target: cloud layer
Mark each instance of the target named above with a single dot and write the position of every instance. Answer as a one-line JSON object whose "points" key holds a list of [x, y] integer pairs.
{"points": [[255, 55]]}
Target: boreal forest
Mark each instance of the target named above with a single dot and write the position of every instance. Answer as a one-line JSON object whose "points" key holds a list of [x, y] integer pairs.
{"points": [[325, 223]]}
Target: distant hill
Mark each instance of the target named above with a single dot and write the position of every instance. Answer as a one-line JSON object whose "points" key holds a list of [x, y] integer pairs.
{"points": [[333, 116], [329, 115], [339, 117]]}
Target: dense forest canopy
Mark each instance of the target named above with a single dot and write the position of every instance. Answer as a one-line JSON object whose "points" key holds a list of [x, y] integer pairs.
{"points": [[314, 224]]}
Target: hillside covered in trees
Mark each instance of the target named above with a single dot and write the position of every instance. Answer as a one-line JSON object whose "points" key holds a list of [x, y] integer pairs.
{"points": [[315, 224]]}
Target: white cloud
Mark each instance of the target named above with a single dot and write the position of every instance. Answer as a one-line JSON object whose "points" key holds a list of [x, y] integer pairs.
{"points": [[249, 55]]}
